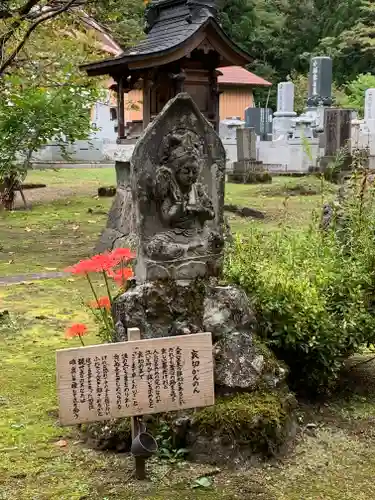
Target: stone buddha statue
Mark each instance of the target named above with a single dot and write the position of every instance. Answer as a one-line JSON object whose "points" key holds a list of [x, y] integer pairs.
{"points": [[182, 204]]}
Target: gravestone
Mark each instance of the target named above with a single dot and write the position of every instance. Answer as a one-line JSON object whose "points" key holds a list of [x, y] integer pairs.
{"points": [[282, 118], [370, 109], [337, 136], [247, 169], [246, 144], [320, 82], [261, 120]]}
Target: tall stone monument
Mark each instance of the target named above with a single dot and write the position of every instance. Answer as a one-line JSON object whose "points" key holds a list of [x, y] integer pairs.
{"points": [[177, 187], [282, 118], [370, 109], [320, 82]]}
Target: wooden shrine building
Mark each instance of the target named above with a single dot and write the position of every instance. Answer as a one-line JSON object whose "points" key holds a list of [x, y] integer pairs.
{"points": [[183, 47]]}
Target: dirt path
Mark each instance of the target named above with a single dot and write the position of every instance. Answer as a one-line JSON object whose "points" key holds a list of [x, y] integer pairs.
{"points": [[53, 193], [24, 278]]}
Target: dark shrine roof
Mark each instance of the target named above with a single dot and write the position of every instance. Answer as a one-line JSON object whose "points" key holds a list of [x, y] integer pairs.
{"points": [[170, 24]]}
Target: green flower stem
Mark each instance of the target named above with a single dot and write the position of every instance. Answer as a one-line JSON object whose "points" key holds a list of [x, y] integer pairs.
{"points": [[97, 301], [80, 338], [107, 286]]}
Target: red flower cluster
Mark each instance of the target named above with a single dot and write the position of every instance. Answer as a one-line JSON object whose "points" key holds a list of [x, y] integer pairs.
{"points": [[76, 330], [110, 264], [102, 262], [101, 303], [121, 275]]}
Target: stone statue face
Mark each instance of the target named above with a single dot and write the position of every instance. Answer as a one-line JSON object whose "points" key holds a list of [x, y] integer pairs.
{"points": [[187, 173]]}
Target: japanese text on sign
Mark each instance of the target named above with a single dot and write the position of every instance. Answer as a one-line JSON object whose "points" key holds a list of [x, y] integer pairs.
{"points": [[134, 378]]}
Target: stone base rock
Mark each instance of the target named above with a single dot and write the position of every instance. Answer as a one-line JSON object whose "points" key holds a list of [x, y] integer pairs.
{"points": [[238, 428], [253, 414], [243, 427], [251, 177], [162, 309]]}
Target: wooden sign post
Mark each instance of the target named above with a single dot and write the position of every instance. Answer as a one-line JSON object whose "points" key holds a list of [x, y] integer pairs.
{"points": [[134, 378], [140, 463]]}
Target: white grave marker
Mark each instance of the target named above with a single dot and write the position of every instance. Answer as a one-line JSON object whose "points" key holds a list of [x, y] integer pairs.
{"points": [[282, 118]]}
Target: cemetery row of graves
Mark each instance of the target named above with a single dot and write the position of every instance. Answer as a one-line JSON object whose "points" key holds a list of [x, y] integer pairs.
{"points": [[331, 454]]}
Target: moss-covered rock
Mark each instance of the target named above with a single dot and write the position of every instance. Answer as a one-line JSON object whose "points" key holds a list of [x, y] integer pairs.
{"points": [[243, 426]]}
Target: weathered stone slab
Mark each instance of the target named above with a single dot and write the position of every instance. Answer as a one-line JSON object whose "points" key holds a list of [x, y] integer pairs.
{"points": [[177, 182], [246, 144], [120, 229]]}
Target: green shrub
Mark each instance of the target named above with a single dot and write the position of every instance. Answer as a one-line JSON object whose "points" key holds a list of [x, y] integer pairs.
{"points": [[313, 290]]}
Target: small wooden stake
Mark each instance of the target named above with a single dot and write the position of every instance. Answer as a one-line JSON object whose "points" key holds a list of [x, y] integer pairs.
{"points": [[140, 463]]}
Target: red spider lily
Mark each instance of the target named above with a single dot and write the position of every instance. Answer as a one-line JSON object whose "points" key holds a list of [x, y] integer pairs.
{"points": [[97, 264], [101, 303], [76, 330], [121, 275], [123, 254], [101, 262]]}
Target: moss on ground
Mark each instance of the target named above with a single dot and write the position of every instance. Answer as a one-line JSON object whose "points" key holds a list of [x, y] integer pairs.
{"points": [[50, 237]]}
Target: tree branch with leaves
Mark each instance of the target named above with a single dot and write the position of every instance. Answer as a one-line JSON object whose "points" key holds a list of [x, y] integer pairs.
{"points": [[21, 21]]}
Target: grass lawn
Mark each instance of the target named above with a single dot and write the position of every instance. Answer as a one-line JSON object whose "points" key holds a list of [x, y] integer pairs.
{"points": [[67, 216], [334, 455]]}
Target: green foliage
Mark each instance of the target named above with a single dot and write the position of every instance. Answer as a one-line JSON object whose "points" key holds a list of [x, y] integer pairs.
{"points": [[354, 96], [283, 36], [167, 449], [123, 19], [313, 290], [31, 115]]}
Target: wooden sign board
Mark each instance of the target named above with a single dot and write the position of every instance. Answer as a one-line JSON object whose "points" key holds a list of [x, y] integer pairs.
{"points": [[134, 378]]}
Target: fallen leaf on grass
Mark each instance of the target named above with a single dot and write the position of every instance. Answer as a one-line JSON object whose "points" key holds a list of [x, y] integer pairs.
{"points": [[17, 426], [75, 228], [61, 443], [92, 221], [50, 268], [28, 229], [202, 482], [11, 261]]}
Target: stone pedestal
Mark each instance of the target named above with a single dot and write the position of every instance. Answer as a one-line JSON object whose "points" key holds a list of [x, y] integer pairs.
{"points": [[181, 308], [249, 172]]}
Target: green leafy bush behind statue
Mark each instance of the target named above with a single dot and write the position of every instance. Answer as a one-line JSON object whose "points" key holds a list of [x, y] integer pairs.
{"points": [[313, 290]]}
